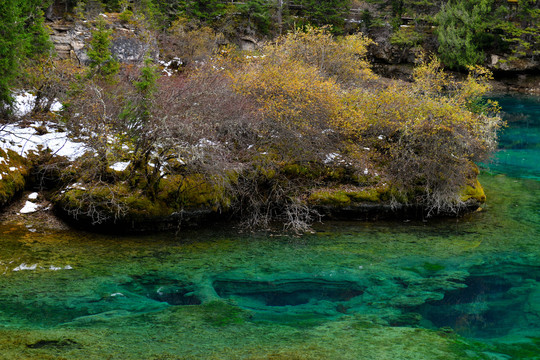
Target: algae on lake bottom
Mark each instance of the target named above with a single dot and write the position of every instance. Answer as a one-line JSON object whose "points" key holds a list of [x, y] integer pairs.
{"points": [[375, 289], [466, 288]]}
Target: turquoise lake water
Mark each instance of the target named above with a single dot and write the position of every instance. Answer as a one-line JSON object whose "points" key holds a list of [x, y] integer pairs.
{"points": [[466, 288], [519, 142]]}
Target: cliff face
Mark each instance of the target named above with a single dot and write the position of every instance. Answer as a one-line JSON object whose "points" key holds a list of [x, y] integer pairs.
{"points": [[130, 43]]}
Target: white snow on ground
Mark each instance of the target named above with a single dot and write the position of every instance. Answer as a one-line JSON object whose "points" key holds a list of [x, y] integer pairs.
{"points": [[24, 103], [205, 142], [29, 207], [167, 69], [120, 166], [76, 186], [23, 140], [56, 106], [23, 266], [331, 157], [33, 196]]}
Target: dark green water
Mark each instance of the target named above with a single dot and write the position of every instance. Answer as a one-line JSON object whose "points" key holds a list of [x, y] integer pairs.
{"points": [[465, 288]]}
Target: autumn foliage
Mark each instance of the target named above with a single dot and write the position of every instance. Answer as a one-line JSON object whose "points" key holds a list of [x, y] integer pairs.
{"points": [[263, 131], [423, 137]]}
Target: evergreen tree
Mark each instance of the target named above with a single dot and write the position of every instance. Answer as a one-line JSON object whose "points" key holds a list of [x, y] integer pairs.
{"points": [[101, 59], [326, 12], [9, 16], [461, 25], [205, 10], [22, 35], [257, 14]]}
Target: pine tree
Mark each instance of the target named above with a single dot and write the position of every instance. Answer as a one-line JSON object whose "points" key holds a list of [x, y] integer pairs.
{"points": [[326, 12], [102, 62], [22, 35], [461, 23], [9, 16]]}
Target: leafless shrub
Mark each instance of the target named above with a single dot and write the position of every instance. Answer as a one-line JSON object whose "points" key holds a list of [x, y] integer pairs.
{"points": [[99, 205]]}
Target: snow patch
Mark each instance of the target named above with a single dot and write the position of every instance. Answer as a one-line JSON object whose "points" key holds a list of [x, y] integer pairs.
{"points": [[23, 140], [33, 196], [23, 266], [29, 207], [205, 142], [23, 104], [331, 158], [120, 166], [56, 106], [76, 186]]}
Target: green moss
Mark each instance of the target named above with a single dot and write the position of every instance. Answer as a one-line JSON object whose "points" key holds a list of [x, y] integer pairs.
{"points": [[309, 171], [527, 350], [432, 267], [13, 181], [134, 201], [369, 195], [269, 173], [343, 197], [399, 196], [219, 313], [194, 191], [328, 197], [140, 205], [365, 180], [336, 174], [474, 192]]}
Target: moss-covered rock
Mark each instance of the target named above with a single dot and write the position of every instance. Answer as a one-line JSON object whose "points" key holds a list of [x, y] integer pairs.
{"points": [[474, 192], [14, 170], [178, 197], [344, 196]]}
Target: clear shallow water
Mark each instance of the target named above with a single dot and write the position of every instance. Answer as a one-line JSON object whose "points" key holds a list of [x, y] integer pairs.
{"points": [[464, 288]]}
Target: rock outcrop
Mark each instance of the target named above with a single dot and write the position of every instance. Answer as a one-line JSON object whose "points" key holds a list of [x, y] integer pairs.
{"points": [[130, 43]]}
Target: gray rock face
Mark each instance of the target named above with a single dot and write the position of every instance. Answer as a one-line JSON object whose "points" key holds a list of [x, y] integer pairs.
{"points": [[126, 47], [383, 51], [501, 63], [71, 41]]}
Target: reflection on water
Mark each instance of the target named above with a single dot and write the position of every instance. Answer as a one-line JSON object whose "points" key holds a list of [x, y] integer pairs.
{"points": [[445, 289]]}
